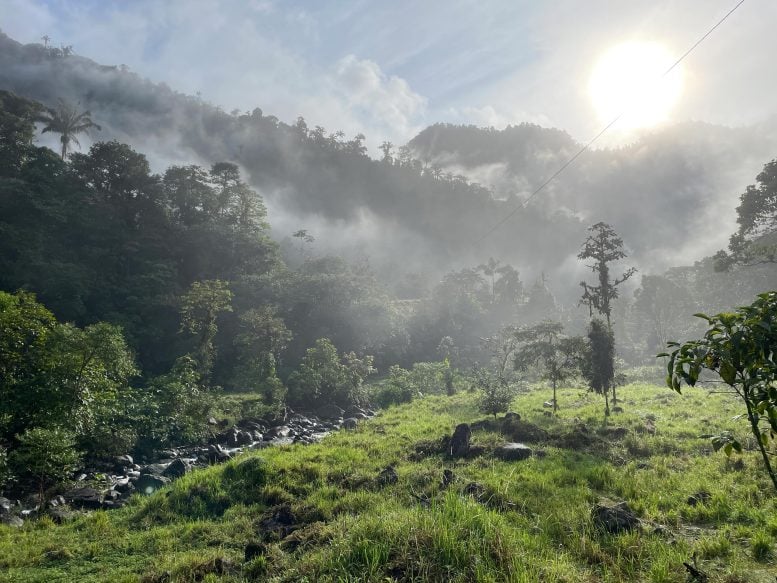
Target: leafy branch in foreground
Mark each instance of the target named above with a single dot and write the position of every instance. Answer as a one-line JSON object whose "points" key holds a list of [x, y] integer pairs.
{"points": [[741, 348]]}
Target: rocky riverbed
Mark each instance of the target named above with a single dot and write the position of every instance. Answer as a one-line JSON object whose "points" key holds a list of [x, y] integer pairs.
{"points": [[110, 484]]}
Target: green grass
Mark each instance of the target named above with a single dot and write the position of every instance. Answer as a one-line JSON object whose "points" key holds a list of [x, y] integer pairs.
{"points": [[531, 523]]}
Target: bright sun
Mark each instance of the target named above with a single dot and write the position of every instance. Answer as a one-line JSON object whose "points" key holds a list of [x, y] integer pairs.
{"points": [[629, 79]]}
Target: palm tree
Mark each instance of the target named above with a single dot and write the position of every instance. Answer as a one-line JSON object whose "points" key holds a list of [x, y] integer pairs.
{"points": [[65, 120]]}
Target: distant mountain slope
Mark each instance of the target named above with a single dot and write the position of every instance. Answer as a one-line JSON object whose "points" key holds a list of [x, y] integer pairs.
{"points": [[671, 195]]}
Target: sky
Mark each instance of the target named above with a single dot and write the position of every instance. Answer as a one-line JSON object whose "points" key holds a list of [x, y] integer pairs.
{"points": [[388, 69]]}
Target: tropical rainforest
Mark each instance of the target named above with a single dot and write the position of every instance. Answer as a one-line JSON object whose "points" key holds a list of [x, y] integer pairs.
{"points": [[379, 385]]}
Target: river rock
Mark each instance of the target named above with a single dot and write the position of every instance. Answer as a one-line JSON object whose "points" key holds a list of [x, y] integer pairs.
{"points": [[514, 452], [86, 497], [350, 423], [11, 520], [330, 411], [148, 483], [176, 469], [217, 455]]}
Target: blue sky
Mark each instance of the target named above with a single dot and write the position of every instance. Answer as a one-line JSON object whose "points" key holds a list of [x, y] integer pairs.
{"points": [[390, 68]]}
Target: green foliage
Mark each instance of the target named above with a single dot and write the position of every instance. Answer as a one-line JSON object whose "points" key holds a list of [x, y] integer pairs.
{"points": [[323, 377], [753, 243], [544, 346], [598, 366], [172, 409], [424, 378], [739, 348], [200, 307], [45, 455], [55, 374], [496, 394], [66, 121], [17, 129]]}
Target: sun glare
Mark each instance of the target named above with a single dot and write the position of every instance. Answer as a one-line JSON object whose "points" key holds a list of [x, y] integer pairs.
{"points": [[629, 79]]}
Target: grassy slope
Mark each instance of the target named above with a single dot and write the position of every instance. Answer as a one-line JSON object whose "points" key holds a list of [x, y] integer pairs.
{"points": [[533, 524]]}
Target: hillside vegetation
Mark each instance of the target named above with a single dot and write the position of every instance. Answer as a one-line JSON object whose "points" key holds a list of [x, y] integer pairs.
{"points": [[334, 512]]}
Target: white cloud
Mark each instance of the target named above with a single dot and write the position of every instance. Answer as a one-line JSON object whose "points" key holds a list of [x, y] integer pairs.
{"points": [[385, 101]]}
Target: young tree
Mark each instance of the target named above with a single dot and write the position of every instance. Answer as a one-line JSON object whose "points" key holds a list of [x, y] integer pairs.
{"points": [[45, 455], [543, 345], [200, 307], [598, 366], [496, 394], [65, 119], [739, 348], [603, 246]]}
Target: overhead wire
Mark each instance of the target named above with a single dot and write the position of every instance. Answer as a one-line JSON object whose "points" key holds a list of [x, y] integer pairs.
{"points": [[601, 132]]}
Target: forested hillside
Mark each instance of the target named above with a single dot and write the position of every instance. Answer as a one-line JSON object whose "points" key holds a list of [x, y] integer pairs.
{"points": [[424, 207]]}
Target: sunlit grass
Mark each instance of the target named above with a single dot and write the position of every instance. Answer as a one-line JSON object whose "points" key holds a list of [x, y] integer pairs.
{"points": [[531, 523]]}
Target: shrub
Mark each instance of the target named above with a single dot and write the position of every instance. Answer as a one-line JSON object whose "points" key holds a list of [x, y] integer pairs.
{"points": [[45, 455], [496, 393]]}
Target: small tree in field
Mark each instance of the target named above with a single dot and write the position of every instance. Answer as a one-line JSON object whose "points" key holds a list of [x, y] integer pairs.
{"points": [[740, 348], [496, 393], [598, 366], [543, 345]]}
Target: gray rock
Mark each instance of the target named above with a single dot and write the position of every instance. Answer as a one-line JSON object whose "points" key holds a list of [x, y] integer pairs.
{"points": [[61, 515], [350, 423], [512, 416], [148, 484], [614, 519], [279, 431], [11, 520], [57, 501], [514, 452], [86, 497], [153, 469], [176, 469], [459, 445], [330, 411], [217, 455], [5, 506]]}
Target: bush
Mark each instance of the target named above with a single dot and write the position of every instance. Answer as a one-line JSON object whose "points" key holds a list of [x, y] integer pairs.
{"points": [[323, 377], [496, 393], [45, 455]]}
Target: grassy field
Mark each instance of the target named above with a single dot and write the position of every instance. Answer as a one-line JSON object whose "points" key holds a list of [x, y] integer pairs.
{"points": [[323, 513]]}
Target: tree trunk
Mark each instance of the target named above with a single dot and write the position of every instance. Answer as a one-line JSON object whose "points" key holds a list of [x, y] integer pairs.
{"points": [[555, 402], [757, 435]]}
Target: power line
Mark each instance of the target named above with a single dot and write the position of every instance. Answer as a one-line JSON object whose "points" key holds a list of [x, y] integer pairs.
{"points": [[617, 118]]}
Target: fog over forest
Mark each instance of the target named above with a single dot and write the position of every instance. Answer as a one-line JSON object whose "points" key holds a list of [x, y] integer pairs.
{"points": [[662, 190], [442, 291]]}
